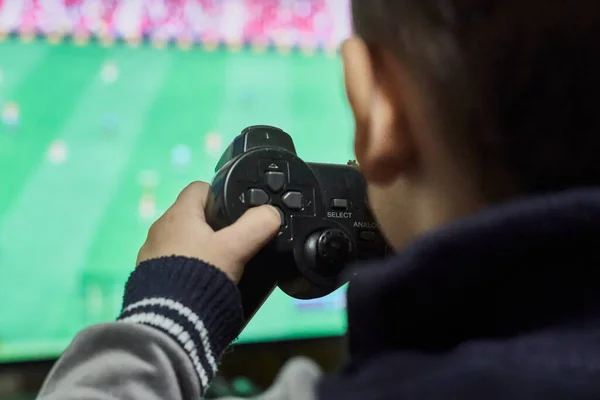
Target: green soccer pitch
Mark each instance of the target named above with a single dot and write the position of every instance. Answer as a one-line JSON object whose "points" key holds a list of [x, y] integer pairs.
{"points": [[70, 224]]}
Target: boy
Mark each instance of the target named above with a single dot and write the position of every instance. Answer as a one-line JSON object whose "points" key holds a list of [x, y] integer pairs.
{"points": [[477, 131]]}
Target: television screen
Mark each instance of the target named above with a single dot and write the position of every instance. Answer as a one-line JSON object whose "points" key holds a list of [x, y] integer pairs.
{"points": [[110, 108]]}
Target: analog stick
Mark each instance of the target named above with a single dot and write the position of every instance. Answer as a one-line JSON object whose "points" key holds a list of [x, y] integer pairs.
{"points": [[328, 251]]}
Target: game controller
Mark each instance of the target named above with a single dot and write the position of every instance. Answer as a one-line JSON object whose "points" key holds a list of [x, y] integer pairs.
{"points": [[326, 224]]}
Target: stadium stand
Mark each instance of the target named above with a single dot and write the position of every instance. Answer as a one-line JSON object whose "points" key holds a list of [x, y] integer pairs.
{"points": [[290, 23]]}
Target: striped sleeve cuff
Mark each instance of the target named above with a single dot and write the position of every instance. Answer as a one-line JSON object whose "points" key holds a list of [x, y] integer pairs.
{"points": [[191, 301]]}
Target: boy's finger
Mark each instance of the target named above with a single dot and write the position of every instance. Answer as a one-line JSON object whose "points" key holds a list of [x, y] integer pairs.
{"points": [[244, 238], [193, 198]]}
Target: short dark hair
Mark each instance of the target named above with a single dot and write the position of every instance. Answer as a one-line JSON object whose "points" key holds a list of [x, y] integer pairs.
{"points": [[518, 79]]}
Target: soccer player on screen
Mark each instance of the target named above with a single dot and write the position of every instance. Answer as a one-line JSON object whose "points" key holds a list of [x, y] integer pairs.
{"points": [[478, 132], [11, 115]]}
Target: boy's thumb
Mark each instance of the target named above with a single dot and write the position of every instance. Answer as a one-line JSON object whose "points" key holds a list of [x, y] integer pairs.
{"points": [[249, 234]]}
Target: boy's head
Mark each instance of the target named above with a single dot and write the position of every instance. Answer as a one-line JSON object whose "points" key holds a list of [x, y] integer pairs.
{"points": [[463, 103]]}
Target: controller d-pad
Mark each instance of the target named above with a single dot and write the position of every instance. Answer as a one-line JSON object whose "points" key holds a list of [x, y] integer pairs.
{"points": [[275, 180], [257, 197], [293, 200]]}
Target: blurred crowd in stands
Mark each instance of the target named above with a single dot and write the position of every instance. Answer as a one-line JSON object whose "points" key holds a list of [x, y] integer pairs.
{"points": [[284, 22]]}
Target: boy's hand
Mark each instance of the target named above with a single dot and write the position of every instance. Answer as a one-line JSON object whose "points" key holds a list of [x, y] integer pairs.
{"points": [[183, 231]]}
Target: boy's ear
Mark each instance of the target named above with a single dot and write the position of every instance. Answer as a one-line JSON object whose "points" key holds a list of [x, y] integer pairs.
{"points": [[382, 143]]}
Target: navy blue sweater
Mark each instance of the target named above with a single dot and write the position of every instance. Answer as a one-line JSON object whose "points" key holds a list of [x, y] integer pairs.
{"points": [[502, 305]]}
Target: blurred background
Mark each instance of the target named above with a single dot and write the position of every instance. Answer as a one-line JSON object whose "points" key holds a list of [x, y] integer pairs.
{"points": [[108, 109]]}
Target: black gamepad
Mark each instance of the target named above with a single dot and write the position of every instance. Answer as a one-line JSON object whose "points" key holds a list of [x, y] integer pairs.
{"points": [[325, 221]]}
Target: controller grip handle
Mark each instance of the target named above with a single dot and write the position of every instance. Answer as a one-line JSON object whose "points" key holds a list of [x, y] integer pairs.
{"points": [[257, 283]]}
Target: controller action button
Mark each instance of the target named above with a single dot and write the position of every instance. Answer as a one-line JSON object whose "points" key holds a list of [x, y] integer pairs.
{"points": [[281, 216], [367, 236], [257, 197], [339, 204], [293, 200], [275, 180]]}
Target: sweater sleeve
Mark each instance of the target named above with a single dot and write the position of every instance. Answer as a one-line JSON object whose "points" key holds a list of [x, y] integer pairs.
{"points": [[194, 303], [122, 361], [178, 317]]}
